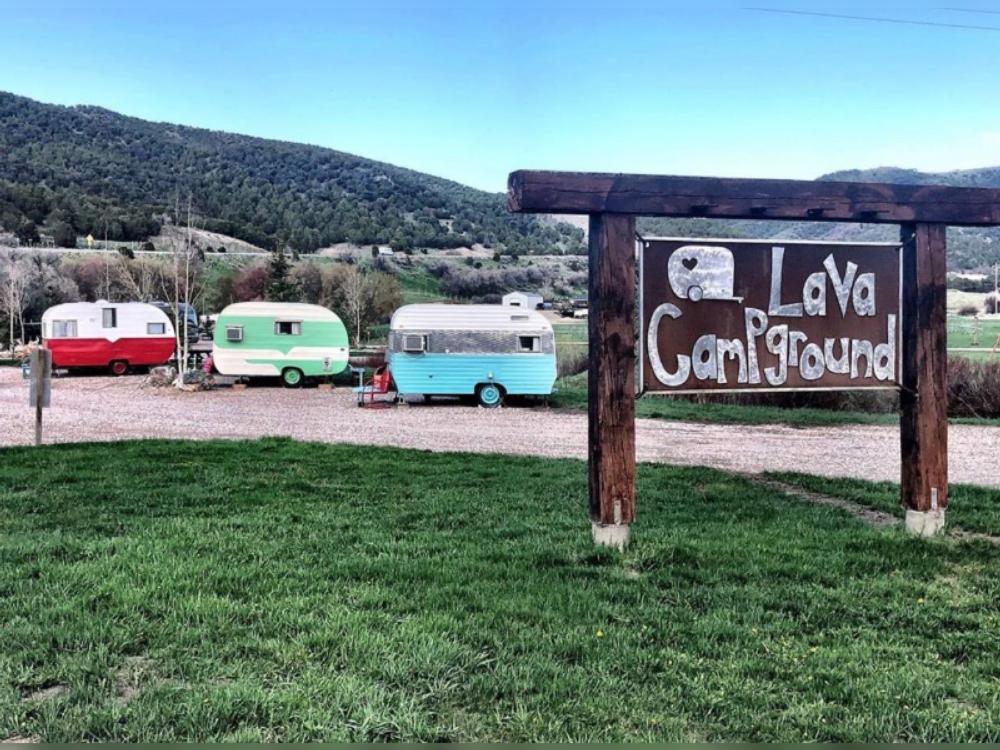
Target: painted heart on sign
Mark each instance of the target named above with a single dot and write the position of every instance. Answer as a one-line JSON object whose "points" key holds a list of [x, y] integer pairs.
{"points": [[689, 263]]}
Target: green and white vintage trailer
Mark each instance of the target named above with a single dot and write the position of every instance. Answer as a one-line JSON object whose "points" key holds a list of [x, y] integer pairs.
{"points": [[279, 339], [486, 351]]}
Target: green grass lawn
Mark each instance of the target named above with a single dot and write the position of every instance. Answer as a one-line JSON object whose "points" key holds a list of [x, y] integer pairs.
{"points": [[972, 508], [274, 590], [960, 335], [571, 333], [960, 332]]}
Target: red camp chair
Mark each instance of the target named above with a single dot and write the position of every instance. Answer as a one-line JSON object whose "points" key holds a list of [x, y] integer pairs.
{"points": [[381, 384]]}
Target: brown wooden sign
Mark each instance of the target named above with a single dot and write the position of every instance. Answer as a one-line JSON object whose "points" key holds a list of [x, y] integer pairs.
{"points": [[613, 201], [719, 314]]}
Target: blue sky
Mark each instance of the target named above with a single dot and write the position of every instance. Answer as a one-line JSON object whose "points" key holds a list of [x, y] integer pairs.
{"points": [[473, 90]]}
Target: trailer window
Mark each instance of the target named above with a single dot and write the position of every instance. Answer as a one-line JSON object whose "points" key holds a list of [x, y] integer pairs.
{"points": [[234, 333], [529, 343], [63, 329], [287, 328], [156, 329], [109, 317]]}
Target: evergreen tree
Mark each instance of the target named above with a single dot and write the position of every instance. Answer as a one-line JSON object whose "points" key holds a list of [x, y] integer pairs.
{"points": [[279, 288], [64, 235]]}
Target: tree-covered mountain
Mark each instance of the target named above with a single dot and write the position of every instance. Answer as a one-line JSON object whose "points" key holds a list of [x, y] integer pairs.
{"points": [[81, 169], [968, 249]]}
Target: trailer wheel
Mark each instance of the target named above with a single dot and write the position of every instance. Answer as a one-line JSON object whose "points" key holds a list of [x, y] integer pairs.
{"points": [[118, 368], [291, 377], [489, 395]]}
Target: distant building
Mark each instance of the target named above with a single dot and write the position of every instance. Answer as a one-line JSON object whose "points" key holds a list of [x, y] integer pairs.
{"points": [[385, 250], [527, 300]]}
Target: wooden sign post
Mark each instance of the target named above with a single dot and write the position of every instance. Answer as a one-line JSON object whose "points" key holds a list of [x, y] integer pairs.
{"points": [[614, 200], [611, 382], [40, 387]]}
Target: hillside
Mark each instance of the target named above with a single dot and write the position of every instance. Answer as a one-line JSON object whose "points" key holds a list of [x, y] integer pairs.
{"points": [[968, 249], [76, 169]]}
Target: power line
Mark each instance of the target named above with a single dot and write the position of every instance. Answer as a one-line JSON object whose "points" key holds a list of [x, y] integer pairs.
{"points": [[902, 21], [973, 10]]}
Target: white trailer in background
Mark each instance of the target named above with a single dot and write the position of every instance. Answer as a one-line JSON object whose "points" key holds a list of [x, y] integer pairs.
{"points": [[526, 300]]}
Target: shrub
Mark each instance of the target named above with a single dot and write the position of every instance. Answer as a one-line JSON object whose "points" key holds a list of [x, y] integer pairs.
{"points": [[968, 310], [872, 401], [572, 362], [251, 284], [991, 305], [973, 388]]}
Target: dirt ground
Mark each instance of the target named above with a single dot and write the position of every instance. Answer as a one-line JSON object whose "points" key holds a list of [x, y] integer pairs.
{"points": [[105, 408]]}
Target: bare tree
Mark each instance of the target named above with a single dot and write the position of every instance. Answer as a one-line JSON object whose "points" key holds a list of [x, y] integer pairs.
{"points": [[142, 278], [356, 292], [185, 288], [14, 279], [367, 297]]}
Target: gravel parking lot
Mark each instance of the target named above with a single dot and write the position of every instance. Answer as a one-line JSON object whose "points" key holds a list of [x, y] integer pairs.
{"points": [[105, 408]]}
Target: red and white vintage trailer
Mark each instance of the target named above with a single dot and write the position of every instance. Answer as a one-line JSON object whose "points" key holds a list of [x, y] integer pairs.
{"points": [[116, 335]]}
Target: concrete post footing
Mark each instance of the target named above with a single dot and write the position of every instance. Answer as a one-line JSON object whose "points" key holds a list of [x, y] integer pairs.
{"points": [[610, 534], [925, 522]]}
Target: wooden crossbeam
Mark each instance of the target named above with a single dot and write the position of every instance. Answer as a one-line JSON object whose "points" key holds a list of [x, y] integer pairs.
{"points": [[723, 198]]}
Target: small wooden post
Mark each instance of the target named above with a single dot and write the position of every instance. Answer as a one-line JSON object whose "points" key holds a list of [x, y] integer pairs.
{"points": [[38, 377], [924, 395], [611, 383]]}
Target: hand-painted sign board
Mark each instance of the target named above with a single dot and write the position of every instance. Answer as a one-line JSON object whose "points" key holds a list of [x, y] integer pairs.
{"points": [[719, 314]]}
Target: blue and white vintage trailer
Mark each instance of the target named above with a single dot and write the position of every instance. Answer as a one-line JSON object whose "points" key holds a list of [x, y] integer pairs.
{"points": [[487, 351]]}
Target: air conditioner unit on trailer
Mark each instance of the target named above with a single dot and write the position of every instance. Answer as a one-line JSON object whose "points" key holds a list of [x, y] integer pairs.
{"points": [[413, 343]]}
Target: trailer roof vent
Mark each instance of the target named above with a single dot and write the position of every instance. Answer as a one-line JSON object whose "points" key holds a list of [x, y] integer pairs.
{"points": [[234, 333]]}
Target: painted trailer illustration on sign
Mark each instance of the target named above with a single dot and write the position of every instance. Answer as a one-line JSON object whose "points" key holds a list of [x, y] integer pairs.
{"points": [[279, 339], [115, 335], [487, 351], [698, 272]]}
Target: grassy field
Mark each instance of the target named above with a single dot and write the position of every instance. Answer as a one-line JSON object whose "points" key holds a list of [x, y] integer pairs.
{"points": [[418, 285], [571, 334], [272, 590], [960, 335], [972, 508], [958, 299]]}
